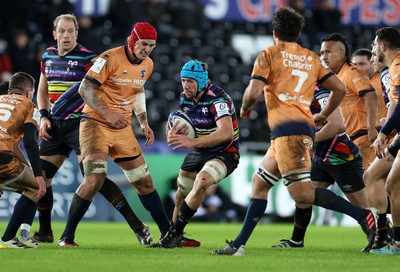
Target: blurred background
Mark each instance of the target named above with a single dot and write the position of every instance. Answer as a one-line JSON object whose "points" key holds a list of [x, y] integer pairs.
{"points": [[227, 34]]}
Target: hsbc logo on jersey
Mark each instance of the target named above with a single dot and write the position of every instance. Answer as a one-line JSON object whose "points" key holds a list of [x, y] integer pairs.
{"points": [[138, 82]]}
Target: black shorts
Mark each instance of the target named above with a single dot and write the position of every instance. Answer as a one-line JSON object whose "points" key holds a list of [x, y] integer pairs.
{"points": [[349, 176], [195, 160], [65, 138]]}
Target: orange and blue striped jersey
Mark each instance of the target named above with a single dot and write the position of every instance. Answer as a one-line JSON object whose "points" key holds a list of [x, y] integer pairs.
{"points": [[290, 73]]}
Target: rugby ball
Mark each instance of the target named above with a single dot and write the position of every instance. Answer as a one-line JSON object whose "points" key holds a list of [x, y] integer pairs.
{"points": [[182, 118]]}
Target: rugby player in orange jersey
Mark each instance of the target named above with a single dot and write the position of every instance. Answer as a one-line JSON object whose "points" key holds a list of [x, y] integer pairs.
{"points": [[359, 106], [376, 173], [386, 47], [363, 59], [16, 121], [113, 89], [286, 74]]}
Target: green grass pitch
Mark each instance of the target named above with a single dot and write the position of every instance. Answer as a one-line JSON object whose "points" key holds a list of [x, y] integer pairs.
{"points": [[113, 247]]}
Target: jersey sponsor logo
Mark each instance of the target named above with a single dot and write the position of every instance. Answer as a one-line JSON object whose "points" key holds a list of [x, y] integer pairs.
{"points": [[72, 63], [98, 65], [139, 82], [288, 97], [121, 81], [296, 61], [359, 78], [222, 109], [126, 104]]}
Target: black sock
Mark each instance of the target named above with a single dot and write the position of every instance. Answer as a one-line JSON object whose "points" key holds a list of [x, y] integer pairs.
{"points": [[329, 200], [302, 218], [76, 212], [388, 209], [382, 227], [24, 211], [152, 203], [115, 196], [396, 234], [255, 211], [183, 218], [44, 206]]}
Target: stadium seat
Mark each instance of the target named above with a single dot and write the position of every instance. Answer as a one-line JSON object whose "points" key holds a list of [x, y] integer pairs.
{"points": [[168, 89], [184, 53]]}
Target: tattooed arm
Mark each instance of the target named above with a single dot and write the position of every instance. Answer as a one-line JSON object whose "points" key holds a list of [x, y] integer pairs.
{"points": [[88, 91]]}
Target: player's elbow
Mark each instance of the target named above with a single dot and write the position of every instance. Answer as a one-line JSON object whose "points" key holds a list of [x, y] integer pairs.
{"points": [[228, 136]]}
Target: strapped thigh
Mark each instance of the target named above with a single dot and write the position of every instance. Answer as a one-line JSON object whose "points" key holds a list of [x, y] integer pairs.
{"points": [[215, 169], [95, 167], [185, 185], [138, 173], [296, 177]]}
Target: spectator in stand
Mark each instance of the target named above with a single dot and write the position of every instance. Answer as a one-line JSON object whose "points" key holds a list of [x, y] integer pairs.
{"points": [[306, 39], [22, 54], [5, 62], [189, 26], [122, 13], [326, 18]]}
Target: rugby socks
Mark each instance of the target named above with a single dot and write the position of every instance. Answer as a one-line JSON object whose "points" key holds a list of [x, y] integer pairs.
{"points": [[255, 211], [76, 212], [302, 218], [115, 196], [382, 227], [44, 206], [24, 211], [183, 218], [327, 199], [396, 234], [152, 203]]}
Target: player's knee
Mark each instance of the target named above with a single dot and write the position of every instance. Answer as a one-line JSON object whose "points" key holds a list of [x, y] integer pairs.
{"points": [[138, 174], [95, 167], [215, 169], [49, 169], [185, 185]]}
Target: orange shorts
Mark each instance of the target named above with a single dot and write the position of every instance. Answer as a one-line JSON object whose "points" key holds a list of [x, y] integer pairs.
{"points": [[10, 170], [292, 153], [367, 152], [96, 137]]}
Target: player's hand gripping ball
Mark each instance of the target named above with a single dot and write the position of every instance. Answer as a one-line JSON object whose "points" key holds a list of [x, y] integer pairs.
{"points": [[182, 118]]}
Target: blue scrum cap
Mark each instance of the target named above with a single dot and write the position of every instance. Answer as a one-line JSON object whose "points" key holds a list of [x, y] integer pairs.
{"points": [[196, 70]]}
